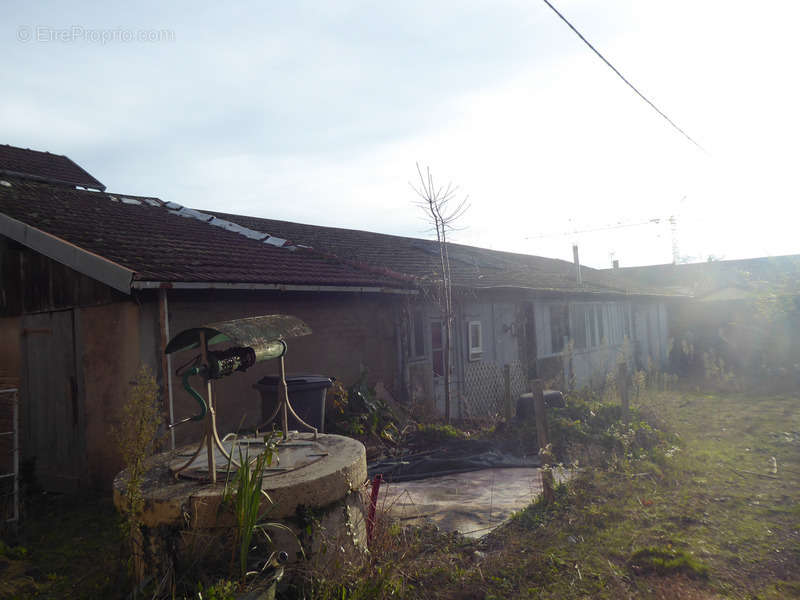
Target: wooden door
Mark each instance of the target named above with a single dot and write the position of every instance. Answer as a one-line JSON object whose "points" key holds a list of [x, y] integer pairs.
{"points": [[53, 413]]}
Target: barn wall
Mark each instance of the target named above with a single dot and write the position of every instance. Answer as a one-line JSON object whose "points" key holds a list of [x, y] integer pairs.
{"points": [[109, 352], [10, 359]]}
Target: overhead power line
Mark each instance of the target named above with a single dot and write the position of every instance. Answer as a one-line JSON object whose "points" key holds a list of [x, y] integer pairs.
{"points": [[621, 76], [620, 225]]}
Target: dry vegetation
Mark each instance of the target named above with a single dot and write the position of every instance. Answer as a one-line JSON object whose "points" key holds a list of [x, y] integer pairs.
{"points": [[686, 503]]}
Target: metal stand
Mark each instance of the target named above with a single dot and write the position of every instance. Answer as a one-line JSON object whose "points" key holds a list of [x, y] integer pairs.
{"points": [[210, 436], [284, 406]]}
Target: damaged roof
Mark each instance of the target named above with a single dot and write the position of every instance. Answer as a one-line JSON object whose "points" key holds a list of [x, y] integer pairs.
{"points": [[165, 243], [471, 267], [145, 242], [43, 166]]}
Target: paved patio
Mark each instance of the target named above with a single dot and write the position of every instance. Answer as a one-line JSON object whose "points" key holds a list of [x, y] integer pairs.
{"points": [[472, 503]]}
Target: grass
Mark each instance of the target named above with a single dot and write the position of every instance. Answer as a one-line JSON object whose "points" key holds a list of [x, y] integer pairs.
{"points": [[696, 514], [70, 547], [690, 505]]}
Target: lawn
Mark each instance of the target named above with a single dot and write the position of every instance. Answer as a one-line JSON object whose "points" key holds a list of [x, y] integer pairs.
{"points": [[699, 500]]}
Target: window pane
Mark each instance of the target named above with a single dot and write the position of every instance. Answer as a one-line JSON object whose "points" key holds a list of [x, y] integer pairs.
{"points": [[419, 334], [559, 327], [579, 326], [475, 336], [436, 335], [438, 363], [592, 329]]}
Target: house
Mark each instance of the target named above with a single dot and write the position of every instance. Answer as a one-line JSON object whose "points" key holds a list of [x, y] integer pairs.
{"points": [[511, 309], [745, 314], [94, 282]]}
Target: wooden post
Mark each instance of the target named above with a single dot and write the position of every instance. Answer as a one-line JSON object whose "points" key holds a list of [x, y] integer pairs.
{"points": [[509, 406], [543, 440], [623, 386]]}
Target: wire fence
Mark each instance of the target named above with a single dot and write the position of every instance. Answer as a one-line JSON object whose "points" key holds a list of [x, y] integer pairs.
{"points": [[484, 387]]}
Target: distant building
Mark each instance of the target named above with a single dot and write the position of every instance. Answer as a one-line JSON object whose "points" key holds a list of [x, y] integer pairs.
{"points": [[745, 312]]}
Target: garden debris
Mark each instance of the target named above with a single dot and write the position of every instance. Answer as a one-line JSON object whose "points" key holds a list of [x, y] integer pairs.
{"points": [[458, 456]]}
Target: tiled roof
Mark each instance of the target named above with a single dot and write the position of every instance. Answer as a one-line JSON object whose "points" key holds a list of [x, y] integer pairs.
{"points": [[779, 273], [161, 245], [44, 166], [471, 267], [165, 242]]}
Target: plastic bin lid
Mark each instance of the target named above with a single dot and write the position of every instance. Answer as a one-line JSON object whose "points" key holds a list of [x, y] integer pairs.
{"points": [[296, 380]]}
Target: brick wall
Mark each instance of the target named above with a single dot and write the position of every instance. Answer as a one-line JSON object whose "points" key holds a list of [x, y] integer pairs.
{"points": [[350, 331]]}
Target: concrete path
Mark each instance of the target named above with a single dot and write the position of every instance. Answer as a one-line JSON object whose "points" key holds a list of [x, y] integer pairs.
{"points": [[472, 503]]}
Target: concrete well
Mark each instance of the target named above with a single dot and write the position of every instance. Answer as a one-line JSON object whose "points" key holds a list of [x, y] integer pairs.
{"points": [[315, 490]]}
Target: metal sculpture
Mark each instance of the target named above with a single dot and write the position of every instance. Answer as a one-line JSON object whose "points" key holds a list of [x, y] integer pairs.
{"points": [[253, 340]]}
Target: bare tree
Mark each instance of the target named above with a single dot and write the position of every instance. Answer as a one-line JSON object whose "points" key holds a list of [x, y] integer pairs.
{"points": [[442, 210]]}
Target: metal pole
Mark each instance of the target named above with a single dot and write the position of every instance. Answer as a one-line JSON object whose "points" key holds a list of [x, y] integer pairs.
{"points": [[508, 407], [165, 307], [210, 421], [284, 400]]}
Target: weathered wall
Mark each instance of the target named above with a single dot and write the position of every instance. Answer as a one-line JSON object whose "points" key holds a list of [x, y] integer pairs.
{"points": [[109, 354], [483, 381], [10, 359], [351, 332], [648, 346], [30, 282]]}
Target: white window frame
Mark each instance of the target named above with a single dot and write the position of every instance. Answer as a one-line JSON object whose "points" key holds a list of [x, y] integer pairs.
{"points": [[475, 351]]}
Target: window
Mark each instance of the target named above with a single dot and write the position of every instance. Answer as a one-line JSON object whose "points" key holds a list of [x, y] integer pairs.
{"points": [[590, 325], [559, 327], [417, 334], [475, 340], [579, 317]]}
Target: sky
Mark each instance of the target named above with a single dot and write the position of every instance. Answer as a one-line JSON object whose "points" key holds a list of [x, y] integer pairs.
{"points": [[318, 112]]}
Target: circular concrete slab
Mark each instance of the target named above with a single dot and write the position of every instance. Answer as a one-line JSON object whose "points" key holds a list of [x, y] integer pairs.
{"points": [[340, 469], [292, 455]]}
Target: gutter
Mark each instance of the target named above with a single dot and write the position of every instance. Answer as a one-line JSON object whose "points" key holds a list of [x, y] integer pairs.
{"points": [[90, 264], [283, 287], [626, 293]]}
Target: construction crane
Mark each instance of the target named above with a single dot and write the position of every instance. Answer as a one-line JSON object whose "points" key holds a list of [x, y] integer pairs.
{"points": [[672, 220]]}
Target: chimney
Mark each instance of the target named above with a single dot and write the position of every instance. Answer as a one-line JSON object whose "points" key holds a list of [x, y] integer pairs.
{"points": [[577, 263], [615, 264]]}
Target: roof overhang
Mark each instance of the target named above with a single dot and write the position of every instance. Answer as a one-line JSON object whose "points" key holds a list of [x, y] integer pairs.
{"points": [[90, 264]]}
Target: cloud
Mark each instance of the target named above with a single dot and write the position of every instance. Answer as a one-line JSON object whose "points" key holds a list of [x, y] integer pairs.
{"points": [[317, 112]]}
